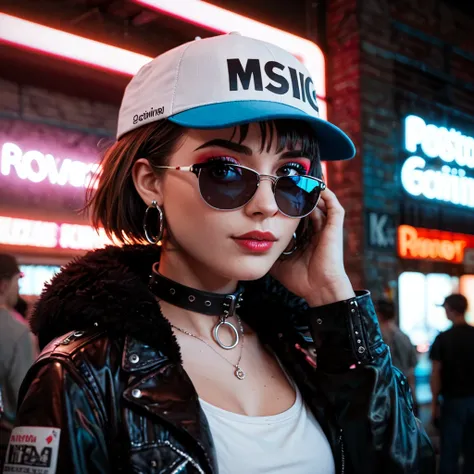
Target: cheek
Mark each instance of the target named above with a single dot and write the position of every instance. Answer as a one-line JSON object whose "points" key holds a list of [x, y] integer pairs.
{"points": [[185, 210]]}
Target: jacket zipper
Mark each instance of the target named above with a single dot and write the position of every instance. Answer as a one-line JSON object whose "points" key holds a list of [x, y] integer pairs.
{"points": [[343, 460]]}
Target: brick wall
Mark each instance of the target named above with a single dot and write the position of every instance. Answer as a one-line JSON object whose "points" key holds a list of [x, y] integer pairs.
{"points": [[51, 123], [43, 106], [343, 41], [415, 57]]}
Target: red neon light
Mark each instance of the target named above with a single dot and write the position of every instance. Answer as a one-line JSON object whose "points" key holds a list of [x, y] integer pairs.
{"points": [[26, 232], [27, 34], [428, 244], [47, 40]]}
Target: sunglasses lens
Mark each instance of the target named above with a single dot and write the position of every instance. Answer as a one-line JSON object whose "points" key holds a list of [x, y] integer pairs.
{"points": [[225, 186], [297, 196]]}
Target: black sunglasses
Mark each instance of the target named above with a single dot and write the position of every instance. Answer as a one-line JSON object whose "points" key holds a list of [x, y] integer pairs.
{"points": [[225, 186]]}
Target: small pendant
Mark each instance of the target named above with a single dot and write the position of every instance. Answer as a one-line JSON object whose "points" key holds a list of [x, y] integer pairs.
{"points": [[239, 373]]}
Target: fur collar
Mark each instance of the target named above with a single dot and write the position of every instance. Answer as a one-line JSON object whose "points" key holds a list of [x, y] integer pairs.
{"points": [[109, 287]]}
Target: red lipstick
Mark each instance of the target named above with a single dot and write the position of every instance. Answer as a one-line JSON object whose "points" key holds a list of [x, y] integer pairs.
{"points": [[256, 241]]}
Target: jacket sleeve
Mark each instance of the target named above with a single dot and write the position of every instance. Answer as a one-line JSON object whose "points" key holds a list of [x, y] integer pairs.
{"points": [[58, 426], [371, 399]]}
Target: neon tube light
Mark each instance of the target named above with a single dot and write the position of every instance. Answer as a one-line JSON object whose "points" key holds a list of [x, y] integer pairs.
{"points": [[37, 167], [429, 244], [31, 233], [29, 35], [423, 174]]}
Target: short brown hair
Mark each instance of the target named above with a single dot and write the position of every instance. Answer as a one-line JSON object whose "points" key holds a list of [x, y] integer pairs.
{"points": [[116, 204]]}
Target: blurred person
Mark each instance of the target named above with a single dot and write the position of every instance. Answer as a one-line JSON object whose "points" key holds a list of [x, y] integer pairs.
{"points": [[17, 347], [185, 356], [403, 352], [22, 308], [452, 387]]}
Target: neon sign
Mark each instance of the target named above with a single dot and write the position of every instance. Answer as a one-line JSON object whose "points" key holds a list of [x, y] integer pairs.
{"points": [[47, 40], [450, 183], [427, 244], [25, 232], [37, 167]]}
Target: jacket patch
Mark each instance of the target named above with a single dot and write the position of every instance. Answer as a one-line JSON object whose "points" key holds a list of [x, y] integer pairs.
{"points": [[33, 450]]}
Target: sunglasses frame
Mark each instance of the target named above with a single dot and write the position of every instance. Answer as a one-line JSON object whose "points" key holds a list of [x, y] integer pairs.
{"points": [[196, 170]]}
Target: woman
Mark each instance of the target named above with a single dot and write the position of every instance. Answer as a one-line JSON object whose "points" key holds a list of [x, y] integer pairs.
{"points": [[195, 356]]}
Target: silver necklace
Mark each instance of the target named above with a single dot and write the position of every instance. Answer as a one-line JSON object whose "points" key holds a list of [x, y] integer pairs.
{"points": [[239, 373]]}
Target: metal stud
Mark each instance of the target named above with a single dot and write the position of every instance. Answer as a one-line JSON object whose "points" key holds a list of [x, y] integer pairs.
{"points": [[353, 310], [361, 350], [319, 321], [207, 303], [136, 393], [134, 358], [357, 332], [358, 341], [153, 463]]}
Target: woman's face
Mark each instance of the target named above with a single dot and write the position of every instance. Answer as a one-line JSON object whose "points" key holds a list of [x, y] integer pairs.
{"points": [[204, 236]]}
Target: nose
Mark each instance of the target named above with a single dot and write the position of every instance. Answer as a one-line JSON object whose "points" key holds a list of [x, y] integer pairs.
{"points": [[263, 202]]}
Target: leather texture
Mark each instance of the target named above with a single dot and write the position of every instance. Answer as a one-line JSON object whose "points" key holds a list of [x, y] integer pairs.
{"points": [[110, 375]]}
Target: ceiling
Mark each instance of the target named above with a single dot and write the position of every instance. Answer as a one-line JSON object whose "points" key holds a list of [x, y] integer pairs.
{"points": [[121, 23]]}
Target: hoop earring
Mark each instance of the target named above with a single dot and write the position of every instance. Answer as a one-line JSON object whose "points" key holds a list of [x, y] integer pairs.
{"points": [[293, 249], [151, 238]]}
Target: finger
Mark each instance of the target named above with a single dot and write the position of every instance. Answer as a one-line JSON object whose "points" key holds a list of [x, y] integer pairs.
{"points": [[322, 205], [335, 211], [319, 220], [319, 214]]}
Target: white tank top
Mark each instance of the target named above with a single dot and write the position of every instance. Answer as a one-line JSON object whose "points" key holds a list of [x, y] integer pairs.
{"points": [[291, 442]]}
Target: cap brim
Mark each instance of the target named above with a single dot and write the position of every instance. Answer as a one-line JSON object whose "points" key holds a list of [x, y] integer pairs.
{"points": [[334, 144]]}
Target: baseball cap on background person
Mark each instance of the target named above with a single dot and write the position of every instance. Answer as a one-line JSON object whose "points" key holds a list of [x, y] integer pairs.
{"points": [[225, 81], [456, 302], [8, 266]]}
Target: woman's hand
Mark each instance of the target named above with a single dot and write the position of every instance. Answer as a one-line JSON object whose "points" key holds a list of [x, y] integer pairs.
{"points": [[318, 274]]}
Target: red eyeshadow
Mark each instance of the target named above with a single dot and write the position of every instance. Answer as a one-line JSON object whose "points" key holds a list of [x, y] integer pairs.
{"points": [[302, 161]]}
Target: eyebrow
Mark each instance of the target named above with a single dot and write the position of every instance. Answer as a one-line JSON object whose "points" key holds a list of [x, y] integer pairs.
{"points": [[245, 150]]}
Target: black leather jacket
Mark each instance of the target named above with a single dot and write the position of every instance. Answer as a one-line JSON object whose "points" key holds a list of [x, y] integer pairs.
{"points": [[110, 375]]}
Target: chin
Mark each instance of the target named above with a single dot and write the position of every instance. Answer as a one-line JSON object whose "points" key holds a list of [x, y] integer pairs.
{"points": [[249, 268]]}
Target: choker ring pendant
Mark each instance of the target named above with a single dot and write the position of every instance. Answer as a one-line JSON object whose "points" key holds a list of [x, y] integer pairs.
{"points": [[236, 338]]}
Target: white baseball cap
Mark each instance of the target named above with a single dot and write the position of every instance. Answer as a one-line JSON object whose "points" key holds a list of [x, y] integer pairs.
{"points": [[224, 81]]}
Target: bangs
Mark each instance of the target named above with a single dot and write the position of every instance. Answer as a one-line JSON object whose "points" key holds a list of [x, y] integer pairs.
{"points": [[279, 135]]}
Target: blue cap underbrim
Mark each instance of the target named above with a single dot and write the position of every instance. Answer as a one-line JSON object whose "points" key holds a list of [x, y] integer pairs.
{"points": [[334, 144]]}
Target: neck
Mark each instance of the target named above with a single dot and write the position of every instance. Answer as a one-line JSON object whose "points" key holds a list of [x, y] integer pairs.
{"points": [[459, 321], [186, 271]]}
